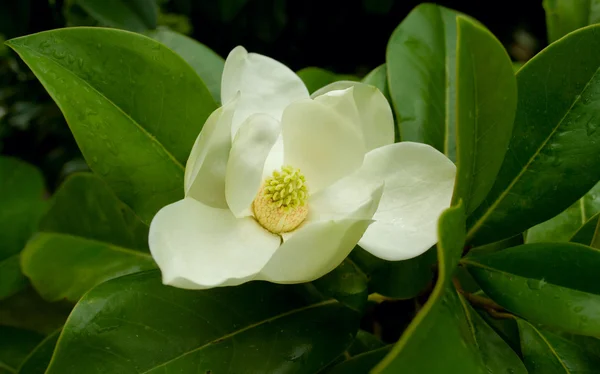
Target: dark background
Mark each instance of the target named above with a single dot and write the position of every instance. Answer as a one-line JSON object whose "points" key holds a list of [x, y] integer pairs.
{"points": [[347, 37]]}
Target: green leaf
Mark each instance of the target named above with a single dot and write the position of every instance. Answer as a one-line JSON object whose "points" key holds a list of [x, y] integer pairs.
{"points": [[440, 326], [38, 359], [506, 328], [486, 102], [28, 311], [134, 107], [564, 16], [364, 342], [585, 234], [132, 15], [207, 64], [360, 363], [547, 353], [404, 279], [135, 324], [88, 236], [315, 78], [497, 355], [21, 202], [553, 157], [562, 227], [347, 284], [15, 345], [532, 279], [421, 70], [378, 78]]}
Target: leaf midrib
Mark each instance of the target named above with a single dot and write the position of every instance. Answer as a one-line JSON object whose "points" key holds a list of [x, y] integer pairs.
{"points": [[111, 246], [551, 348], [79, 78], [524, 169], [239, 331]]}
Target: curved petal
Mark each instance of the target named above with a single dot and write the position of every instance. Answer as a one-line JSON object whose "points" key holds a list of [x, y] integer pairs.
{"points": [[318, 246], [266, 85], [199, 247], [367, 106], [206, 166], [321, 143], [253, 143], [418, 187]]}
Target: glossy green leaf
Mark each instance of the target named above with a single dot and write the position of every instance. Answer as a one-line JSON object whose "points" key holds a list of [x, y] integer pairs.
{"points": [[360, 363], [486, 102], [15, 345], [347, 283], [404, 279], [554, 154], [135, 324], [134, 107], [440, 326], [562, 227], [38, 359], [421, 68], [497, 355], [207, 64], [315, 78], [21, 205], [564, 16], [378, 78], [506, 328], [28, 311], [547, 353], [533, 279], [88, 236], [132, 15], [585, 234], [364, 342]]}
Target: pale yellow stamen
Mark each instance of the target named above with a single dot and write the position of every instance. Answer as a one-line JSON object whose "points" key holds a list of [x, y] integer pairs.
{"points": [[282, 202]]}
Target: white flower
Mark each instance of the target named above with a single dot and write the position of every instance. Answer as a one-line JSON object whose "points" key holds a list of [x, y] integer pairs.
{"points": [[281, 187]]}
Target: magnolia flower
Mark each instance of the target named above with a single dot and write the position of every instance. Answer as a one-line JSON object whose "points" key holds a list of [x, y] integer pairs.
{"points": [[280, 186]]}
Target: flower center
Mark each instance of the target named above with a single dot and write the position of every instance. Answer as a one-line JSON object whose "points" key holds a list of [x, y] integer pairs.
{"points": [[282, 202]]}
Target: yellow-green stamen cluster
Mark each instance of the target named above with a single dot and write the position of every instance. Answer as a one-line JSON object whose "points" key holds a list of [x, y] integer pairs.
{"points": [[282, 202], [287, 188]]}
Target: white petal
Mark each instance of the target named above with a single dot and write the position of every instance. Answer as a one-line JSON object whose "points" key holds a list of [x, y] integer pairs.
{"points": [[252, 145], [198, 247], [418, 187], [318, 141], [367, 107], [266, 85], [206, 166], [335, 86], [318, 247]]}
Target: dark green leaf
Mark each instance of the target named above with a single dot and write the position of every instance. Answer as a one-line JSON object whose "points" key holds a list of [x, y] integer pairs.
{"points": [[315, 78], [547, 353], [88, 236], [564, 16], [21, 205], [134, 106], [440, 326], [562, 227], [533, 279], [364, 342], [15, 345], [132, 15], [506, 328], [378, 78], [27, 310], [554, 154], [486, 101], [347, 284], [404, 279], [38, 359], [497, 355], [360, 363], [585, 234], [135, 324], [421, 70], [207, 64]]}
